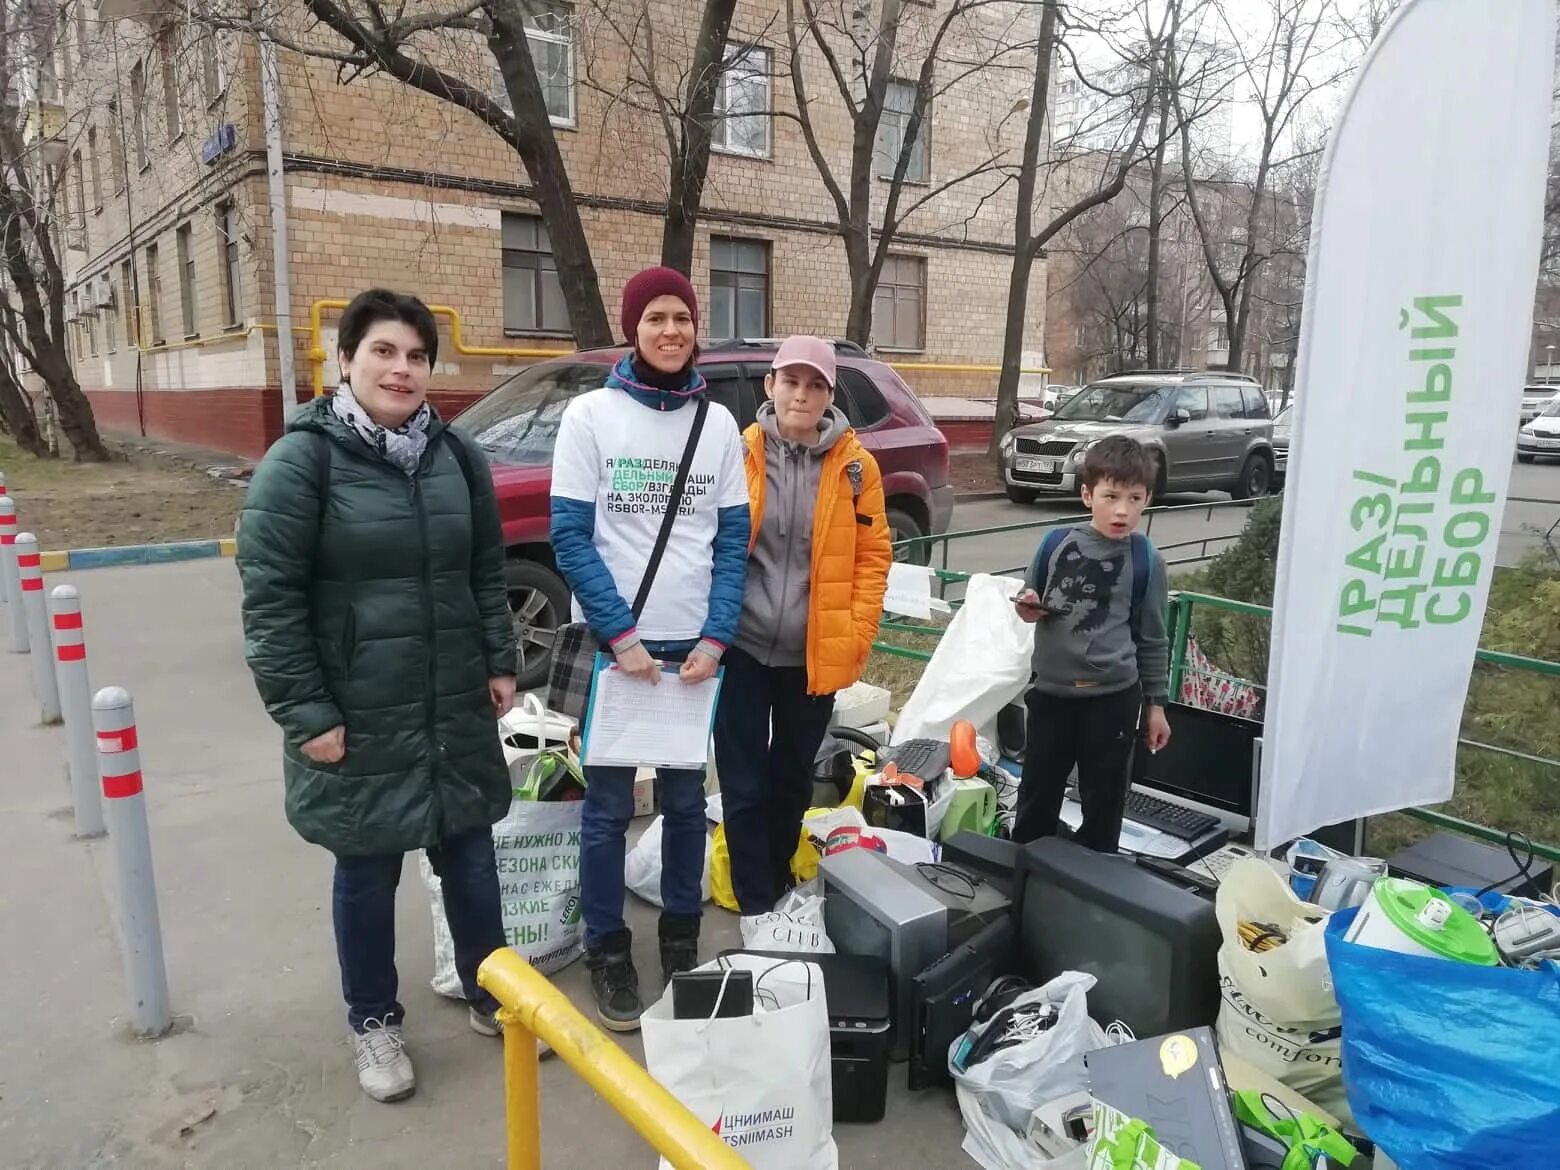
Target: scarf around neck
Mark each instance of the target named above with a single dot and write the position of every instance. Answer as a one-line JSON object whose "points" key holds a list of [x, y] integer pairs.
{"points": [[656, 390], [402, 446]]}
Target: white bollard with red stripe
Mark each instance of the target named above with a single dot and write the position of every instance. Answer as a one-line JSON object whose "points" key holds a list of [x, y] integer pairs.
{"points": [[30, 571], [124, 804], [70, 657], [16, 618]]}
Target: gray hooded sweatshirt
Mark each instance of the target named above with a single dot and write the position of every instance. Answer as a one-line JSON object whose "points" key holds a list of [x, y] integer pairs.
{"points": [[779, 580]]}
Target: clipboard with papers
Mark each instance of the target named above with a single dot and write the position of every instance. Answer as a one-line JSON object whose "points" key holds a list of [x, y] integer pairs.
{"points": [[633, 723]]}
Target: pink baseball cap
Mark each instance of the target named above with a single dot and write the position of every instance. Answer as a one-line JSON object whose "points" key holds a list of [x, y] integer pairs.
{"points": [[803, 350]]}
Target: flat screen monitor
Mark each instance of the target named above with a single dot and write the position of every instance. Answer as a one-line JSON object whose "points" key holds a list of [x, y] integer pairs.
{"points": [[1151, 944], [1208, 761]]}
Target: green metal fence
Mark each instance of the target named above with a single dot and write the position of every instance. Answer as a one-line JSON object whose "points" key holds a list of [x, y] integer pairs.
{"points": [[1182, 607]]}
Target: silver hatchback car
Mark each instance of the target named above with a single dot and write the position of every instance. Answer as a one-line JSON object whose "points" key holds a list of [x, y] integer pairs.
{"points": [[1208, 430]]}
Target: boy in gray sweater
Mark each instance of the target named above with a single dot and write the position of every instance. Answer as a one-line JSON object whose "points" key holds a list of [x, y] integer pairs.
{"points": [[1097, 595]]}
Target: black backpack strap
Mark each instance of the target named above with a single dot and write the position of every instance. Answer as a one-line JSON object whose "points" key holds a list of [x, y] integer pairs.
{"points": [[457, 446], [673, 502], [322, 461]]}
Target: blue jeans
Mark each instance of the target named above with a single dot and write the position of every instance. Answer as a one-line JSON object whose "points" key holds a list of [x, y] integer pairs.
{"points": [[363, 908], [609, 806]]}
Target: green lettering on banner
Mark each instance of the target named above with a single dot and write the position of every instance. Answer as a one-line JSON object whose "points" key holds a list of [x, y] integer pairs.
{"points": [[1467, 485], [1464, 607], [1405, 562], [1401, 527], [1377, 509], [1481, 525], [1367, 558], [1443, 326], [1406, 598], [1426, 476], [1424, 420], [1463, 573], [1438, 385], [1353, 601]]}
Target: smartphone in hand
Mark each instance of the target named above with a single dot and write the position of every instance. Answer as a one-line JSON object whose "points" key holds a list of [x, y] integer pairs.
{"points": [[1027, 603]]}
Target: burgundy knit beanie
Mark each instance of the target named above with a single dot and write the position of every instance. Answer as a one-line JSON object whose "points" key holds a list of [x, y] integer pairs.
{"points": [[645, 286]]}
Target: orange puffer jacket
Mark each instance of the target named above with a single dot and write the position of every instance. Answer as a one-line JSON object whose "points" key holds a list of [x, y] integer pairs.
{"points": [[851, 553]]}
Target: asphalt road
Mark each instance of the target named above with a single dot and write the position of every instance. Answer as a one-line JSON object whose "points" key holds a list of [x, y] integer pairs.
{"points": [[1192, 528]]}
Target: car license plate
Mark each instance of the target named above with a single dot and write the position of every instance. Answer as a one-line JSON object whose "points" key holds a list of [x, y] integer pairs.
{"points": [[1041, 466], [1547, 444]]}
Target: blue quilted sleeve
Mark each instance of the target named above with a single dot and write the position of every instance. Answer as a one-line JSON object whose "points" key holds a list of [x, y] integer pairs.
{"points": [[729, 575], [574, 548]]}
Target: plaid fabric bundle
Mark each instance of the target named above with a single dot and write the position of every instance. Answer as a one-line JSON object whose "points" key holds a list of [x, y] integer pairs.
{"points": [[573, 668]]}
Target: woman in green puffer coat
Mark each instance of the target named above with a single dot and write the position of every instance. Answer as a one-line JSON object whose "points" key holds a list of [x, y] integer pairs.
{"points": [[377, 626]]}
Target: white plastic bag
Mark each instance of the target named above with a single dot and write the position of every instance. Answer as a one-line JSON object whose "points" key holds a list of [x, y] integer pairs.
{"points": [[1277, 1010], [642, 866], [762, 1082], [795, 924], [528, 730], [537, 846], [996, 1147], [1014, 1081], [981, 664]]}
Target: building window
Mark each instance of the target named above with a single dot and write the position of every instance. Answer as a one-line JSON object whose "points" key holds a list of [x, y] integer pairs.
{"points": [[742, 103], [110, 314], [186, 279], [88, 322], [549, 31], [898, 106], [167, 52], [899, 305], [128, 304], [116, 148], [79, 189], [533, 298], [213, 65], [62, 49], [81, 34], [97, 168], [739, 288], [153, 296], [227, 240], [138, 112]]}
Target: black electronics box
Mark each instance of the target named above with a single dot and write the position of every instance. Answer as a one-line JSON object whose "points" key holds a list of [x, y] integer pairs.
{"points": [[855, 988], [943, 1000], [1449, 860]]}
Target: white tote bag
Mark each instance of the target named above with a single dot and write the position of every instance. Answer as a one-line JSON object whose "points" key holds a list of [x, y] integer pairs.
{"points": [[981, 664], [762, 1082], [537, 846]]}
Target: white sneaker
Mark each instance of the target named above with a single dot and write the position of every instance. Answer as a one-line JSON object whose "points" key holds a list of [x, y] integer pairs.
{"points": [[384, 1070], [485, 1025]]}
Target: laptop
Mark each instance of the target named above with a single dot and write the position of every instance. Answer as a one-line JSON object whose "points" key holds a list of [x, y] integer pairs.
{"points": [[1175, 1083]]}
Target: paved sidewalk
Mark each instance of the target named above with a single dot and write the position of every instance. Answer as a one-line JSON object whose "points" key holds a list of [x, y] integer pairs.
{"points": [[260, 1075]]}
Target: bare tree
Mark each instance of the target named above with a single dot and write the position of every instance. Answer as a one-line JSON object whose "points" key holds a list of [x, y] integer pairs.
{"points": [[860, 58], [1278, 67], [1112, 172], [16, 413], [33, 313]]}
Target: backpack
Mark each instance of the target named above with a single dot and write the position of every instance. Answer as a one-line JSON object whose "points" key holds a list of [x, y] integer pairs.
{"points": [[1142, 561]]}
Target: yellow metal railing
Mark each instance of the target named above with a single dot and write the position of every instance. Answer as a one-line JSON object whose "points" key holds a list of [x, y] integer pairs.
{"points": [[317, 354], [530, 1006]]}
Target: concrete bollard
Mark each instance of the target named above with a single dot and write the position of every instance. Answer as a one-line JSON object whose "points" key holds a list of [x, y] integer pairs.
{"points": [[70, 656], [16, 617], [124, 805], [30, 572]]}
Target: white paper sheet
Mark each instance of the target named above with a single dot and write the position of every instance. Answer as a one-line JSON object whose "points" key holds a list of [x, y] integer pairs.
{"points": [[909, 591], [663, 724]]}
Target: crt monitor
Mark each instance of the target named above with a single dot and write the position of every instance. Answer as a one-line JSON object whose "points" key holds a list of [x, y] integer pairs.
{"points": [[1152, 944], [1210, 761]]}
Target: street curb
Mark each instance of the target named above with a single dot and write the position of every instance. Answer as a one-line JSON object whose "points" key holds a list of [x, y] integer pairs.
{"points": [[137, 554], [972, 497]]}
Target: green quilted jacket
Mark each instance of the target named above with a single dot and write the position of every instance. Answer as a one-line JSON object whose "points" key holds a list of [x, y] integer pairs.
{"points": [[377, 600]]}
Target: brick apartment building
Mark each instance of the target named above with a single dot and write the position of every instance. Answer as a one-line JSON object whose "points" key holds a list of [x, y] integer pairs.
{"points": [[167, 207]]}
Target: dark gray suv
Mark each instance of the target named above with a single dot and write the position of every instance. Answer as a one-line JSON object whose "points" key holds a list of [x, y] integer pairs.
{"points": [[1208, 430]]}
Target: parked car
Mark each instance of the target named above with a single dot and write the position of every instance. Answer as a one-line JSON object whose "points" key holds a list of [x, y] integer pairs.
{"points": [[1534, 400], [1540, 437], [1281, 423], [516, 424], [1207, 430]]}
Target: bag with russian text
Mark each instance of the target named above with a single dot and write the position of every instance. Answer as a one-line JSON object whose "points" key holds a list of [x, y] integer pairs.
{"points": [[762, 1082], [537, 847]]}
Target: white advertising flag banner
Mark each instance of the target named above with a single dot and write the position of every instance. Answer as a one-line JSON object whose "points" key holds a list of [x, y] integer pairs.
{"points": [[1413, 352]]}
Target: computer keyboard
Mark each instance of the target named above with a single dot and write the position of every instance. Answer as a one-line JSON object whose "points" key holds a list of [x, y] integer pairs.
{"points": [[925, 759], [1175, 819]]}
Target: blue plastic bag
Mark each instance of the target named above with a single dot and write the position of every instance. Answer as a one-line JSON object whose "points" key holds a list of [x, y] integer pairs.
{"points": [[1449, 1066]]}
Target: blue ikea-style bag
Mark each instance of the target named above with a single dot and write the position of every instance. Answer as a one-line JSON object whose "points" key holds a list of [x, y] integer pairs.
{"points": [[1448, 1065]]}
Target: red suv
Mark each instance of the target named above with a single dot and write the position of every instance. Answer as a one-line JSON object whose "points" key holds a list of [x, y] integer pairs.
{"points": [[517, 422]]}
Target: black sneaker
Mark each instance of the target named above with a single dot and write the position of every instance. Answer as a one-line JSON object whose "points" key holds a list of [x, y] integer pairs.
{"points": [[679, 944], [615, 983]]}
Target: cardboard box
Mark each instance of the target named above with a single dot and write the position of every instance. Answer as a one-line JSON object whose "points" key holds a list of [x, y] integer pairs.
{"points": [[645, 802]]}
